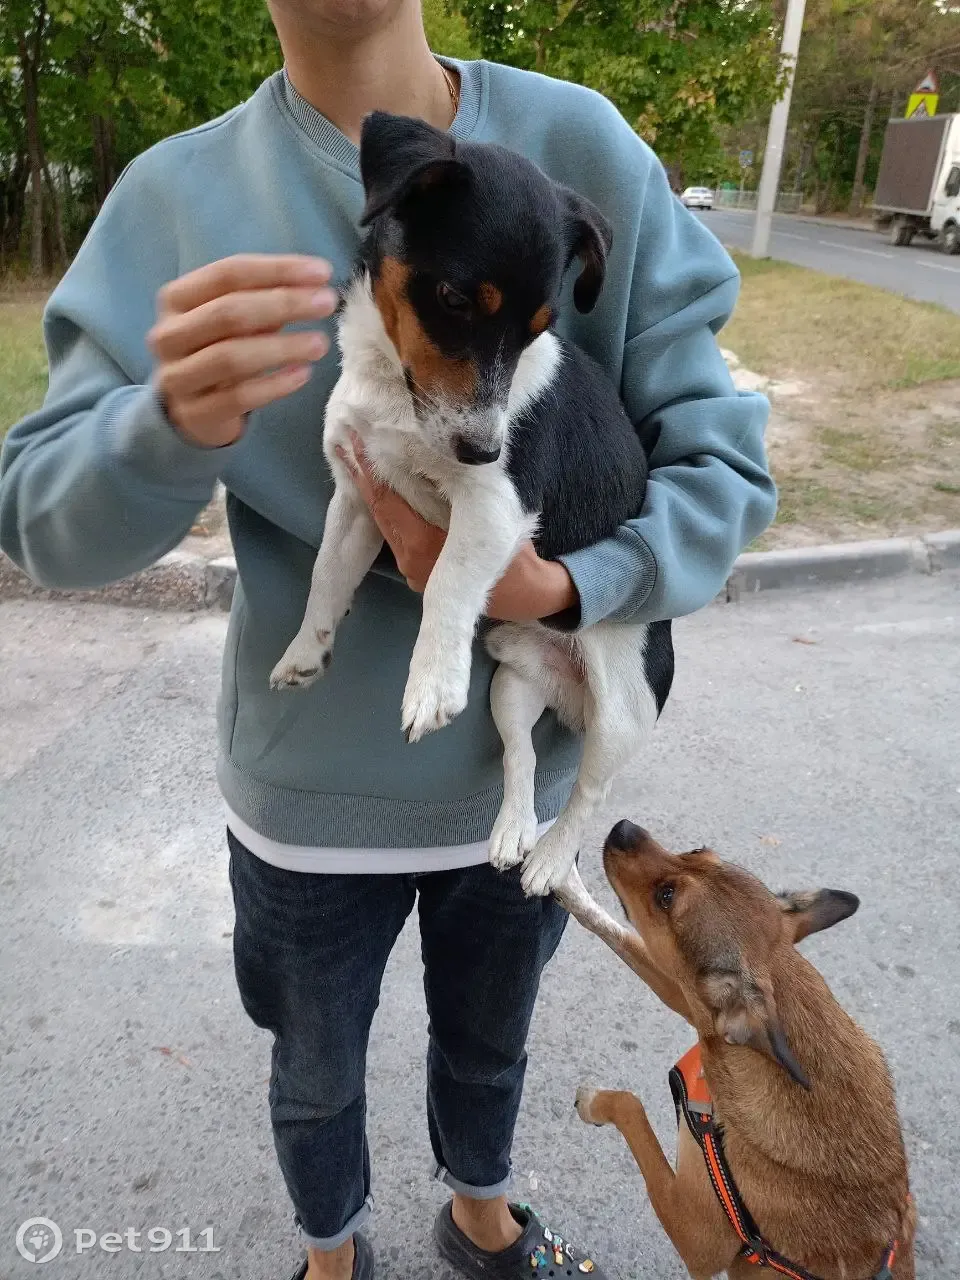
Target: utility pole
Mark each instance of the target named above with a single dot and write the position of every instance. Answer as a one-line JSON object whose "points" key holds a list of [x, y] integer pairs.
{"points": [[777, 132]]}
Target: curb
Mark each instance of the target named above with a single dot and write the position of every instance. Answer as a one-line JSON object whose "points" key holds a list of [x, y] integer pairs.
{"points": [[188, 583], [842, 562], [842, 224]]}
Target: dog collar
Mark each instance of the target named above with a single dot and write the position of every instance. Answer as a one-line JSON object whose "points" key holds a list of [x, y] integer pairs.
{"points": [[691, 1097]]}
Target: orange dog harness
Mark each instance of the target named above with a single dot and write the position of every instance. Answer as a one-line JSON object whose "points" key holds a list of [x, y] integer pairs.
{"points": [[692, 1099]]}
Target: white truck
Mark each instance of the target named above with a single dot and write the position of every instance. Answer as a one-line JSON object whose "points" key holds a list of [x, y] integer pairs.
{"points": [[918, 186]]}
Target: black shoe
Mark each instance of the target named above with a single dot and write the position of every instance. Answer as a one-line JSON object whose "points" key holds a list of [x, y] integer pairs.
{"points": [[362, 1261], [538, 1253]]}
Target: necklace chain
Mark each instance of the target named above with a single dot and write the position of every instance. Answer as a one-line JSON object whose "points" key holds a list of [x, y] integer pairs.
{"points": [[452, 88]]}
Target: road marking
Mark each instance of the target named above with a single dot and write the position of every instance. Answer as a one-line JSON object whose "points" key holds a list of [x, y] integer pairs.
{"points": [[917, 627], [790, 235], [852, 248], [939, 266]]}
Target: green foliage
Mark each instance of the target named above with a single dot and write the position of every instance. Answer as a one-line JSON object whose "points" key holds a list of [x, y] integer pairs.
{"points": [[113, 77], [677, 69], [447, 32], [859, 60]]}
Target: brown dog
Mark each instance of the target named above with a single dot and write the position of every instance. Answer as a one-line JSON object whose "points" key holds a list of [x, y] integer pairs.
{"points": [[792, 1158]]}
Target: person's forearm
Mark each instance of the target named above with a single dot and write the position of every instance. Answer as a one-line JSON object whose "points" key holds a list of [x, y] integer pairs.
{"points": [[89, 495]]}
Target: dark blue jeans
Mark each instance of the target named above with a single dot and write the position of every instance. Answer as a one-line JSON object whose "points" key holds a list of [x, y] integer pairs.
{"points": [[310, 951]]}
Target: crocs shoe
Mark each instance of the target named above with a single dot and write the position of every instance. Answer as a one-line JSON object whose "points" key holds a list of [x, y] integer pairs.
{"points": [[539, 1253], [362, 1261]]}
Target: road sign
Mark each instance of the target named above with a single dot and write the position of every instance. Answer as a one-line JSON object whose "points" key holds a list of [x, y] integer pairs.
{"points": [[922, 105], [925, 98], [746, 159]]}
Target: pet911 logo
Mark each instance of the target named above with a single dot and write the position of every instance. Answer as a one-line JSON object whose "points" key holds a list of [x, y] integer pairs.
{"points": [[40, 1240]]}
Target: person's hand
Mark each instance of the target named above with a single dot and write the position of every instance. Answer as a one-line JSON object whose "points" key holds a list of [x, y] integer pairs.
{"points": [[218, 343], [530, 589]]}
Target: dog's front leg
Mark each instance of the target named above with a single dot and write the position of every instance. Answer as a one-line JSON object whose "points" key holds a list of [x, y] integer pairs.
{"points": [[691, 1217], [351, 543], [621, 939], [487, 526]]}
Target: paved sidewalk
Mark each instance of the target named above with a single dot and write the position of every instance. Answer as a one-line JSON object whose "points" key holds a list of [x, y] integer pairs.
{"points": [[132, 1090]]}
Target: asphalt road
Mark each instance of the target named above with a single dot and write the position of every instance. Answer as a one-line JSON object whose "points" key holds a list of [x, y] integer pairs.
{"points": [[132, 1090], [918, 270]]}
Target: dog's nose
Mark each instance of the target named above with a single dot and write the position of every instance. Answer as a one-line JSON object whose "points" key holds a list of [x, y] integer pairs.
{"points": [[472, 454], [625, 836]]}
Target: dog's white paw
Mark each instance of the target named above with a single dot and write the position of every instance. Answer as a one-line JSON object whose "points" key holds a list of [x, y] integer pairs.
{"points": [[547, 867], [306, 660], [584, 1105], [514, 835], [432, 700]]}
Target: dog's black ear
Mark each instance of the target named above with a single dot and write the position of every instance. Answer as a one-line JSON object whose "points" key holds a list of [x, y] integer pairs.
{"points": [[806, 913], [401, 158], [590, 237], [745, 1013]]}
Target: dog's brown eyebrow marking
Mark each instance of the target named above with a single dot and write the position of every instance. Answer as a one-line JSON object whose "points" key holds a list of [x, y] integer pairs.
{"points": [[432, 372], [490, 298], [541, 319]]}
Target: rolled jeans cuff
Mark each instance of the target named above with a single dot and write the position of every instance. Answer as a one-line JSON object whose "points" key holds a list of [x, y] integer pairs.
{"points": [[440, 1174], [327, 1243]]}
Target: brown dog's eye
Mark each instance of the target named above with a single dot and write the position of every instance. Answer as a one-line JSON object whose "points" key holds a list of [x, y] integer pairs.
{"points": [[456, 303], [664, 896]]}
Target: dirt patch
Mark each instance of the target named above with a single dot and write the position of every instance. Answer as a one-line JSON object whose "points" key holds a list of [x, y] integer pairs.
{"points": [[864, 434], [847, 471]]}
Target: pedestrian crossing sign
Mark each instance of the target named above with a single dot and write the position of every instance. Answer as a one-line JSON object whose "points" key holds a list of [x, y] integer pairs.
{"points": [[925, 98]]}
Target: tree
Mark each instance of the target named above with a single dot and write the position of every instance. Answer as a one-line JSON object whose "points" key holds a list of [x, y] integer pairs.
{"points": [[858, 61], [677, 69], [97, 81]]}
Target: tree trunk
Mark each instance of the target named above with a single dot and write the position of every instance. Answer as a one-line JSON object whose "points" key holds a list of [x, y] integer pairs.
{"points": [[57, 214], [28, 71], [541, 48], [103, 133], [866, 134], [11, 213]]}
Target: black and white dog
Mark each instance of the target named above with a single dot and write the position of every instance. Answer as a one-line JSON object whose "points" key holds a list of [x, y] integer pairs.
{"points": [[494, 428]]}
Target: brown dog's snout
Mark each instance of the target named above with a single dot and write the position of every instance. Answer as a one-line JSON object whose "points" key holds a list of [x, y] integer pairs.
{"points": [[626, 837]]}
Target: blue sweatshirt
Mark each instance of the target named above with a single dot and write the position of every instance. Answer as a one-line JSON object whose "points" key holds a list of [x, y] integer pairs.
{"points": [[98, 484]]}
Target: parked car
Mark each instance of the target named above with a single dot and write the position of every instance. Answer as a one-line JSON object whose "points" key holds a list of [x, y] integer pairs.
{"points": [[698, 197]]}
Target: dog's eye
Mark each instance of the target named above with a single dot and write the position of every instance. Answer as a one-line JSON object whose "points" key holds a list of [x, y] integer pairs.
{"points": [[453, 301], [664, 896]]}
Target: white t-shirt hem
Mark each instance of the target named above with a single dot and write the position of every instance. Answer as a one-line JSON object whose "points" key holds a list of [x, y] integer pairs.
{"points": [[320, 860]]}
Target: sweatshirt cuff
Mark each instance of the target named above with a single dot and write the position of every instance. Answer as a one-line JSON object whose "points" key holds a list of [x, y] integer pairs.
{"points": [[146, 443], [613, 578]]}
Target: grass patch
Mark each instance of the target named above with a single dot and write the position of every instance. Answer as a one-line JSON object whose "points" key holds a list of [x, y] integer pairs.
{"points": [[795, 323], [23, 361]]}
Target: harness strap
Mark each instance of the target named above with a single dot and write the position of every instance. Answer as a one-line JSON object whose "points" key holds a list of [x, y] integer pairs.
{"points": [[691, 1097]]}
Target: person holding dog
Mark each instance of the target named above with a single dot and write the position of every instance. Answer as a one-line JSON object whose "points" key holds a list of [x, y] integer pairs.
{"points": [[189, 343]]}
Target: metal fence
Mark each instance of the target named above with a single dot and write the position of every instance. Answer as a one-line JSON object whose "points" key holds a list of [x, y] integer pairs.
{"points": [[725, 198]]}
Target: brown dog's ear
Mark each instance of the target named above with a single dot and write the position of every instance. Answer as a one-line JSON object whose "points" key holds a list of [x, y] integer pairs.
{"points": [[745, 1013], [591, 239], [400, 158], [807, 913]]}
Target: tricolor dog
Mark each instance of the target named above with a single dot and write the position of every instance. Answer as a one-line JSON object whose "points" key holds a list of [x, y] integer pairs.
{"points": [[493, 427]]}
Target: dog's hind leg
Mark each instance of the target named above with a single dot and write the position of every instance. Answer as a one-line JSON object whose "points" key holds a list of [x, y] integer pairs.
{"points": [[684, 1201], [517, 705], [620, 711], [535, 672]]}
